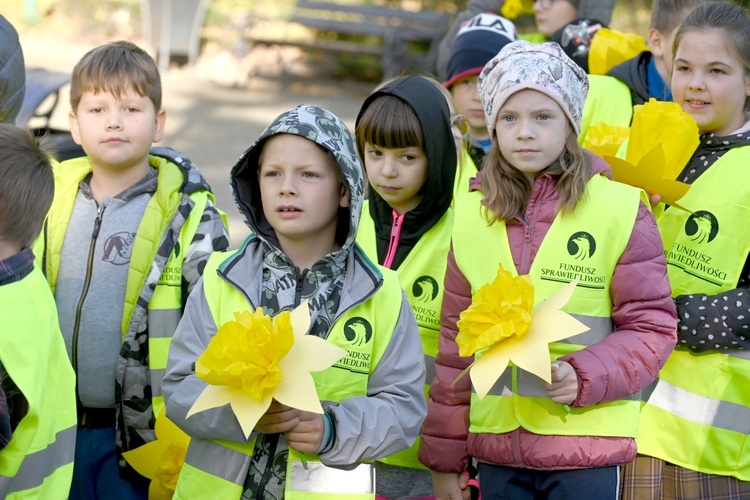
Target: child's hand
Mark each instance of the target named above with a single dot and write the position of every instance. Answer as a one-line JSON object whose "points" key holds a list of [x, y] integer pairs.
{"points": [[307, 435], [278, 418], [564, 386], [654, 199], [451, 486]]}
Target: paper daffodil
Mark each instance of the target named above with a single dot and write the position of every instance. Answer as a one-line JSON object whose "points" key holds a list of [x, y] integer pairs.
{"points": [[611, 47], [511, 9], [662, 139], [255, 359], [161, 460], [502, 306], [605, 140]]}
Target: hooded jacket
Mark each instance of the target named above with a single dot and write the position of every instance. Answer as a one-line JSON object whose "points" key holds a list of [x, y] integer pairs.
{"points": [[12, 72], [634, 74], [389, 418], [621, 365], [433, 114]]}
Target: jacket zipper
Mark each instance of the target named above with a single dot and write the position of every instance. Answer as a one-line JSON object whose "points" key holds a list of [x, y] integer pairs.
{"points": [[300, 278], [395, 237], [86, 284]]}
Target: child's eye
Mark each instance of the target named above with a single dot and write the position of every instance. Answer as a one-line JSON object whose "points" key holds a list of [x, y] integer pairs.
{"points": [[718, 71], [374, 152], [409, 157], [131, 109], [311, 175], [270, 173], [544, 117], [507, 118], [680, 68], [96, 110]]}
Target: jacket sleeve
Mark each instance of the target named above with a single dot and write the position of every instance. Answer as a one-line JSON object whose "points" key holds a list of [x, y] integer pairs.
{"points": [[645, 322], [716, 322], [445, 432], [388, 419], [211, 236], [180, 385]]}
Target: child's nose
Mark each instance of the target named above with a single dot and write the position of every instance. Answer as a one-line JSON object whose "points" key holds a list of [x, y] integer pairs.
{"points": [[389, 168], [113, 121]]}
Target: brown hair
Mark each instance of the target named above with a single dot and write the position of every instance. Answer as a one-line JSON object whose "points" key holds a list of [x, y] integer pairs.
{"points": [[507, 190], [388, 122], [730, 18], [27, 184], [116, 67], [666, 15]]}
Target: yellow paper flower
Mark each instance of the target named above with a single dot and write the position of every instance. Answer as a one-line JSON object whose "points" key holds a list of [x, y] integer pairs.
{"points": [[161, 459], [281, 372], [245, 353], [529, 350], [605, 140], [662, 139], [499, 311], [170, 465], [611, 47], [511, 9]]}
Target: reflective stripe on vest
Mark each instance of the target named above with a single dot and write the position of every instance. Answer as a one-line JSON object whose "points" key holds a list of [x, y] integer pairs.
{"points": [[316, 481], [346, 378], [586, 246], [38, 460], [608, 102], [703, 399], [421, 275]]}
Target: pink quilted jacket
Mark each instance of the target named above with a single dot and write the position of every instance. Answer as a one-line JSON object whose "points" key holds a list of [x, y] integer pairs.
{"points": [[624, 363]]}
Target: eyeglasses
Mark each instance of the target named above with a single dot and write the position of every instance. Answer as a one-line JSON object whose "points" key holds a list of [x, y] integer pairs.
{"points": [[461, 123]]}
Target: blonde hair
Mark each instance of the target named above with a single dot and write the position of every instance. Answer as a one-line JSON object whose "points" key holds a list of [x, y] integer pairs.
{"points": [[507, 190]]}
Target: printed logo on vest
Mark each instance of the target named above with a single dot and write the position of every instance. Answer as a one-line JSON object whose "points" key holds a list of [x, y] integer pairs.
{"points": [[702, 226], [358, 331], [118, 247], [581, 245], [425, 290]]}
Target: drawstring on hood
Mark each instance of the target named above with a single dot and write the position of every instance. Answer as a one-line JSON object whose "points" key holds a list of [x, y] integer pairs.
{"points": [[325, 129]]}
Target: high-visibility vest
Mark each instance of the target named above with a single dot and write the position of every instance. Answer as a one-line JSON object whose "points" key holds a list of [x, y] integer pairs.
{"points": [[421, 276], [38, 461], [165, 307], [586, 245], [218, 469], [609, 102], [698, 415], [466, 170]]}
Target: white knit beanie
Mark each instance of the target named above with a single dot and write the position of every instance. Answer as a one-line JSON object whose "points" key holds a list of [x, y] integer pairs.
{"points": [[544, 67]]}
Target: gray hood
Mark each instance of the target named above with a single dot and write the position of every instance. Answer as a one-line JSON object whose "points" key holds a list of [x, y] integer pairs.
{"points": [[327, 130], [12, 72]]}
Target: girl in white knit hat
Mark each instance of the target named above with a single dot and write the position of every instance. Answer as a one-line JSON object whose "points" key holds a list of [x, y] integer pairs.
{"points": [[544, 207]]}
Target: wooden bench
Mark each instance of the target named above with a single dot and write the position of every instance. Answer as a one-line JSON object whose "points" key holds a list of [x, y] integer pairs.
{"points": [[401, 39]]}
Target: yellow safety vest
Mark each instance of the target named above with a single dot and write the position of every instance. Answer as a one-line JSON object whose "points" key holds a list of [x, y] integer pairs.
{"points": [[464, 173], [218, 469], [585, 246], [165, 307], [608, 102], [38, 461], [421, 276], [698, 415]]}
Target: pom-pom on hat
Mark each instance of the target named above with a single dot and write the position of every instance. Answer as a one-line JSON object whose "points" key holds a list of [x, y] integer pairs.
{"points": [[478, 41], [544, 67]]}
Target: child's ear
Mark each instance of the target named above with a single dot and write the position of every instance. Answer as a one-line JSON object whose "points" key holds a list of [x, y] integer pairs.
{"points": [[344, 198], [161, 120], [73, 125], [655, 41]]}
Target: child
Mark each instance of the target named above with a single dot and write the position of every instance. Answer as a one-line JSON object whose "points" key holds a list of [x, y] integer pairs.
{"points": [[404, 137], [544, 197], [300, 189], [612, 96], [38, 383], [694, 427], [476, 43], [549, 15], [124, 243]]}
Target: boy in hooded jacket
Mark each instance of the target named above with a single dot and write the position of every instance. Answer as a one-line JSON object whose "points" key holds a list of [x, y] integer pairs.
{"points": [[125, 241], [300, 188]]}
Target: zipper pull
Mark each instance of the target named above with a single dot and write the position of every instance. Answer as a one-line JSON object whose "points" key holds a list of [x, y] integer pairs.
{"points": [[98, 222]]}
